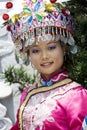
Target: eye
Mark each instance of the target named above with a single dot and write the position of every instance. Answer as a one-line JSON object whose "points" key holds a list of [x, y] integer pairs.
{"points": [[52, 47], [35, 50]]}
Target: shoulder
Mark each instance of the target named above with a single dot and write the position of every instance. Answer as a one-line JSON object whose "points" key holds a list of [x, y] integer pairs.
{"points": [[76, 97], [77, 88], [70, 88], [74, 93], [75, 102]]}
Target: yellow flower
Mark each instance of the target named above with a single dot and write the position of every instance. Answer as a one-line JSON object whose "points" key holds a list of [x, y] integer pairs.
{"points": [[49, 7]]}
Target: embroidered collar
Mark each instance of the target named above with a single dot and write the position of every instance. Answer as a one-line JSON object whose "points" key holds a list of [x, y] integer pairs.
{"points": [[54, 77]]}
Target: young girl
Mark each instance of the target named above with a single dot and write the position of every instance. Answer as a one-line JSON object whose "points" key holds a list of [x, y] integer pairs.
{"points": [[55, 102]]}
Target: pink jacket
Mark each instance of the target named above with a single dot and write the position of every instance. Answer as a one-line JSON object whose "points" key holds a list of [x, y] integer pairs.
{"points": [[64, 109]]}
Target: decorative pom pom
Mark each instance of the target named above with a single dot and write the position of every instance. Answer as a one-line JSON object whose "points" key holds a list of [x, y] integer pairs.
{"points": [[8, 27], [9, 5], [5, 16], [65, 11], [53, 1]]}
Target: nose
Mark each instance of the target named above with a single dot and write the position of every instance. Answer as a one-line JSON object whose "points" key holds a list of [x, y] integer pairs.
{"points": [[45, 55]]}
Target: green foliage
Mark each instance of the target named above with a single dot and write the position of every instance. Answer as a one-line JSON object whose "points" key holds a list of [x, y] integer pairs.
{"points": [[78, 64], [18, 75], [81, 32], [78, 67], [79, 7]]}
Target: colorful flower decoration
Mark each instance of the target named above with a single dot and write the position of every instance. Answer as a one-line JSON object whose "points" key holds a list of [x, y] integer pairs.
{"points": [[53, 1], [9, 5], [39, 17], [37, 10], [5, 16], [65, 11]]}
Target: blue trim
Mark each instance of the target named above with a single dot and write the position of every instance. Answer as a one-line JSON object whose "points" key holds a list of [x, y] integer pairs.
{"points": [[44, 83], [86, 120], [84, 123]]}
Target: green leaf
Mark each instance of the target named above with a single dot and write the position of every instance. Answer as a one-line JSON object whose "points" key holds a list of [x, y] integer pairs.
{"points": [[27, 10], [39, 17]]}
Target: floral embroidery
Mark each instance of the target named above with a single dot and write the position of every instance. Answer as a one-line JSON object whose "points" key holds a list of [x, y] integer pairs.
{"points": [[35, 116]]}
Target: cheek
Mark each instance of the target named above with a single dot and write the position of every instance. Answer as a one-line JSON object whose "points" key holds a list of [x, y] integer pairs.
{"points": [[59, 56], [35, 60], [59, 59]]}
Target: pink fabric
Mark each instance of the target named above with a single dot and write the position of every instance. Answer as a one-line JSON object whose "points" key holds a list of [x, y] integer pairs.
{"points": [[16, 125], [68, 112], [56, 76], [23, 95]]}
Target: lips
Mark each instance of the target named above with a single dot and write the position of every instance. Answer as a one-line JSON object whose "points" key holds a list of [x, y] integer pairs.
{"points": [[46, 64]]}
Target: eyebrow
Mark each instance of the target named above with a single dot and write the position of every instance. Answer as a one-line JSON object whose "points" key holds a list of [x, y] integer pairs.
{"points": [[51, 43], [47, 44], [34, 46]]}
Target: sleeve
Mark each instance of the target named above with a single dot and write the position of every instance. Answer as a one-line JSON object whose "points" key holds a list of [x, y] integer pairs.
{"points": [[16, 126], [77, 109], [23, 95]]}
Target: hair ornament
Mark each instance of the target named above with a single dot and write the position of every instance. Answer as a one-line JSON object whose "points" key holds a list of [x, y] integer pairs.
{"points": [[40, 19]]}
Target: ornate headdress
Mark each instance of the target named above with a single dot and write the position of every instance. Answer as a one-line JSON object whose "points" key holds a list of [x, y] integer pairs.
{"points": [[41, 18]]}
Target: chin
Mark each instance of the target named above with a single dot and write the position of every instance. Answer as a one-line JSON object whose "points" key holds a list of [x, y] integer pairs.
{"points": [[47, 74]]}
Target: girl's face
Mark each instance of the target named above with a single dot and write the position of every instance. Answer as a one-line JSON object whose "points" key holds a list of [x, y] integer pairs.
{"points": [[47, 57]]}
